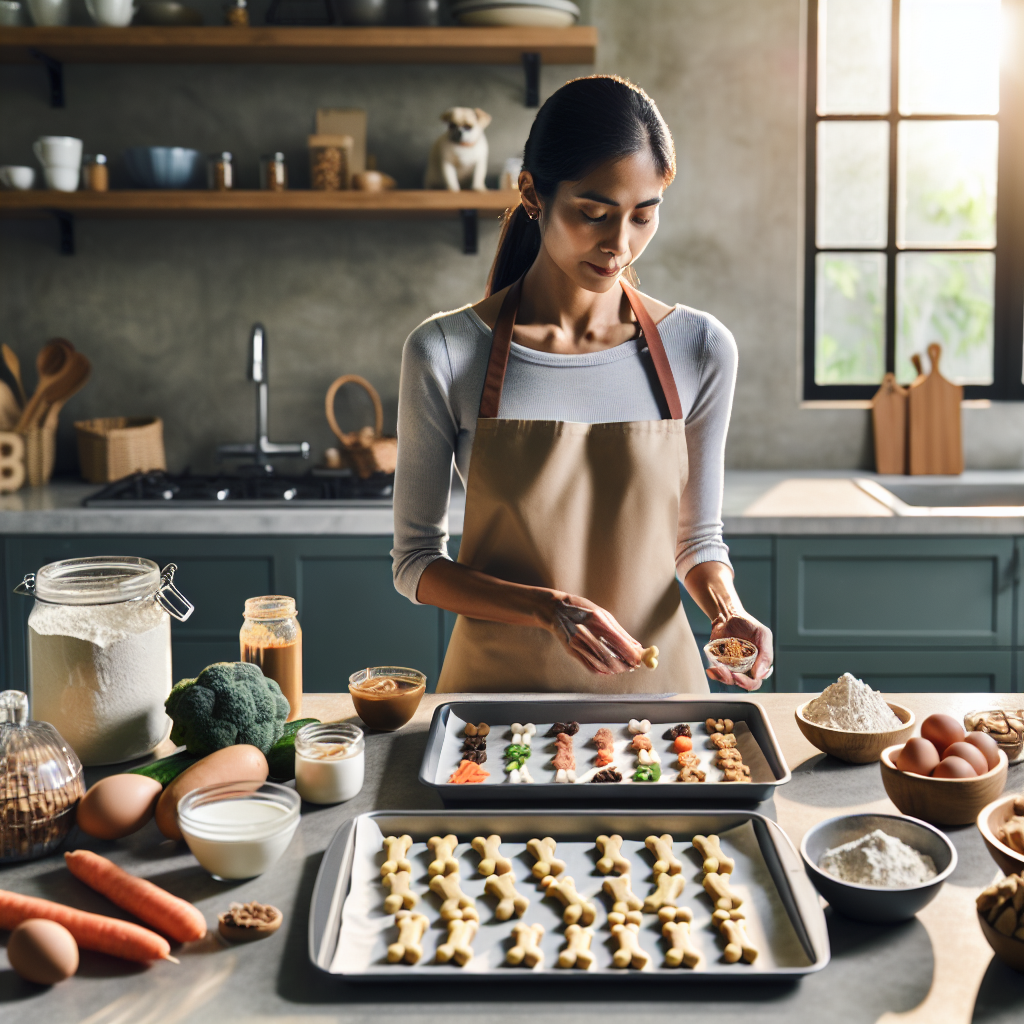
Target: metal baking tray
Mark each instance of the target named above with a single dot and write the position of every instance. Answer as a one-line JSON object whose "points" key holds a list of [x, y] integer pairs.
{"points": [[349, 931], [756, 739]]}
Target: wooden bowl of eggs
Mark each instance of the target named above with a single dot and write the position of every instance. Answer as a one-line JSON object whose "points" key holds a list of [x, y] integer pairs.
{"points": [[992, 822], [944, 776]]}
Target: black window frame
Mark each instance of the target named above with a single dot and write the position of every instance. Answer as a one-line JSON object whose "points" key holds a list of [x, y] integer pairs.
{"points": [[1008, 311]]}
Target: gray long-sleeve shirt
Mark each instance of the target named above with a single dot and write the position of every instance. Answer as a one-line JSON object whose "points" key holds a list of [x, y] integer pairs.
{"points": [[443, 368]]}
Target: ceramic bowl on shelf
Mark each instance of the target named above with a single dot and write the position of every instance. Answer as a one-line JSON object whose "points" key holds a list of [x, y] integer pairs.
{"points": [[990, 818], [940, 801], [163, 166], [855, 747], [1006, 947], [873, 903], [519, 13], [166, 12]]}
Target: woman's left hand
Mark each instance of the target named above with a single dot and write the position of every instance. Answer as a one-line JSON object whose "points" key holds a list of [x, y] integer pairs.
{"points": [[744, 627]]}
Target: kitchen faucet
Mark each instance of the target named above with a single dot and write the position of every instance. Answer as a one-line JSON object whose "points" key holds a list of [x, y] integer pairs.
{"points": [[262, 449]]}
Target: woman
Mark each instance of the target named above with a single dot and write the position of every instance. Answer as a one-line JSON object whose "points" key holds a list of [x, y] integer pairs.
{"points": [[588, 422]]}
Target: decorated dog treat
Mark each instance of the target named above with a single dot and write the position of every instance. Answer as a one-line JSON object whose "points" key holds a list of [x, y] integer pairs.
{"points": [[678, 730], [577, 909], [611, 856], [401, 895], [720, 740], [737, 943], [474, 743], [491, 860], [710, 848], [605, 744], [518, 775], [667, 889], [641, 741], [717, 887], [456, 904], [527, 945], [627, 906], [516, 756], [647, 756], [395, 850], [638, 725], [510, 901], [727, 757], [722, 725], [688, 759], [609, 774], [736, 773], [476, 756], [681, 951], [411, 928], [468, 772], [569, 728], [688, 774], [443, 848], [577, 951], [461, 933], [564, 760], [483, 729], [664, 859], [629, 953], [543, 852], [522, 735]]}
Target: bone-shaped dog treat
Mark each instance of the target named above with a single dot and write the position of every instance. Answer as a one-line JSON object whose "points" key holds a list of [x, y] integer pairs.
{"points": [[737, 943], [605, 744], [681, 949], [442, 848], [667, 889], [458, 948], [710, 848], [717, 887], [395, 850], [491, 860], [410, 936], [457, 905], [509, 899], [564, 760], [611, 856], [721, 740], [522, 734], [629, 953], [543, 852], [688, 774], [577, 952], [627, 906], [401, 895], [483, 729], [527, 948], [576, 907], [638, 725], [674, 914], [664, 858], [723, 725], [736, 773]]}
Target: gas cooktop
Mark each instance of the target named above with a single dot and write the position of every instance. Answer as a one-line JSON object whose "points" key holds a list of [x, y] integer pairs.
{"points": [[316, 489]]}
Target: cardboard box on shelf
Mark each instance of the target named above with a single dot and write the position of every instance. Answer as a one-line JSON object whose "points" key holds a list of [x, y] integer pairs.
{"points": [[338, 121]]}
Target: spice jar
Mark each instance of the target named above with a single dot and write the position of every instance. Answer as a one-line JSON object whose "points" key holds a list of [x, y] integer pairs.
{"points": [[236, 13], [99, 645], [220, 175], [273, 172], [330, 161], [40, 783], [271, 637], [95, 176]]}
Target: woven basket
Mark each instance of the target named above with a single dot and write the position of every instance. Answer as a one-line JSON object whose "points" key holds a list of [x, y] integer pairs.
{"points": [[40, 453], [367, 451], [116, 447]]}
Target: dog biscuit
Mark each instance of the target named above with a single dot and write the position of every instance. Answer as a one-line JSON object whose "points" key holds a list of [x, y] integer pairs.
{"points": [[627, 906], [629, 953], [688, 759], [710, 848], [442, 849], [681, 949], [576, 907], [410, 934], [723, 725], [577, 951], [522, 735], [674, 913], [510, 900], [456, 905], [395, 850], [638, 725], [543, 852], [667, 889], [647, 756], [483, 729], [565, 757], [460, 934], [727, 757], [720, 740], [736, 773], [737, 943], [401, 895], [664, 858], [527, 945], [611, 856], [717, 887], [688, 774], [641, 741], [491, 860]]}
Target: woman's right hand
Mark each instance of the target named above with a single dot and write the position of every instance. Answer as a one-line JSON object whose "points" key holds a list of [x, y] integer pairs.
{"points": [[592, 636]]}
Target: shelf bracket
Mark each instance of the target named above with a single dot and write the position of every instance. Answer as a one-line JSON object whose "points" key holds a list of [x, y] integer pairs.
{"points": [[66, 227], [531, 68], [469, 231], [55, 69]]}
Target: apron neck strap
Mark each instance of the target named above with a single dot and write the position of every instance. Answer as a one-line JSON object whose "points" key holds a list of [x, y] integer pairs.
{"points": [[501, 345]]}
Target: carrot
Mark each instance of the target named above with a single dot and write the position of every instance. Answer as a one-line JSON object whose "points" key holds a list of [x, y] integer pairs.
{"points": [[468, 772], [176, 918], [91, 931]]}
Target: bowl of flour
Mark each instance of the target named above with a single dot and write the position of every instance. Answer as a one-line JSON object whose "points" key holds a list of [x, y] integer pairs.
{"points": [[880, 868]]}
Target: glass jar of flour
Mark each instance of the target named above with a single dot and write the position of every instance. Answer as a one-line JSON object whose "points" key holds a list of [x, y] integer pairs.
{"points": [[99, 645]]}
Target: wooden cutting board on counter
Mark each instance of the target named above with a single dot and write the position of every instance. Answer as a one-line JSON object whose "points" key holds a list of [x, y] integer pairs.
{"points": [[889, 419], [933, 422]]}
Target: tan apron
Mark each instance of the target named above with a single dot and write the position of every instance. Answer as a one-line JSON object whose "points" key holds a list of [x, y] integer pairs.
{"points": [[591, 509]]}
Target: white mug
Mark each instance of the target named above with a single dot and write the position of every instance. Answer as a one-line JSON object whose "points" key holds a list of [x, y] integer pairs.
{"points": [[21, 178], [50, 12], [63, 179], [58, 151], [113, 13]]}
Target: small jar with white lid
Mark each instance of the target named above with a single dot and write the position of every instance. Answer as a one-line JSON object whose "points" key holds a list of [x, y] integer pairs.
{"points": [[329, 762]]}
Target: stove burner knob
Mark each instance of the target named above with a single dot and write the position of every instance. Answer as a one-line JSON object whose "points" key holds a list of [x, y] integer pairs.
{"points": [[289, 494], [167, 495], [222, 494]]}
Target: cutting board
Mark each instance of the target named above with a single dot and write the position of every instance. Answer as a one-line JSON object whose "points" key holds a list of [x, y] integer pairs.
{"points": [[889, 418], [933, 422]]}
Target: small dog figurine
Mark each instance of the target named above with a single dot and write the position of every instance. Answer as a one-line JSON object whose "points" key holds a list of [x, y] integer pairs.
{"points": [[458, 159]]}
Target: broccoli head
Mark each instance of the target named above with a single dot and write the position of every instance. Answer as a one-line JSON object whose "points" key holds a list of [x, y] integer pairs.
{"points": [[227, 703]]}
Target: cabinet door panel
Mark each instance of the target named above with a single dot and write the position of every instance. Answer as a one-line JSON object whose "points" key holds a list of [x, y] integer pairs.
{"points": [[218, 587]]}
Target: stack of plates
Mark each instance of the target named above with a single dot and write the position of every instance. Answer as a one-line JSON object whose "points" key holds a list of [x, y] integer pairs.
{"points": [[540, 13]]}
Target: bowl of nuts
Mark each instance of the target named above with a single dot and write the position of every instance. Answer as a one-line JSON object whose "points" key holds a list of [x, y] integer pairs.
{"points": [[732, 653], [1001, 824], [1002, 920], [1005, 727]]}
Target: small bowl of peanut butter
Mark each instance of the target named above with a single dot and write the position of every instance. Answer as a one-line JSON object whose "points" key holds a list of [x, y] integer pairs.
{"points": [[386, 697], [733, 653]]}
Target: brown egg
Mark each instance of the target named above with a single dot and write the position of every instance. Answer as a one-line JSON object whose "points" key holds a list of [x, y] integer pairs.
{"points": [[986, 745], [42, 951], [917, 756], [942, 730], [954, 768], [118, 805], [971, 754]]}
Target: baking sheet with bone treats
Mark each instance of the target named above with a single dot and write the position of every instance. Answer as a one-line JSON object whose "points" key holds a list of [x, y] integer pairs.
{"points": [[366, 930], [542, 771]]}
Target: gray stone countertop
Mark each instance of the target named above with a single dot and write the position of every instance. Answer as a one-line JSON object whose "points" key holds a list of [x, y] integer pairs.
{"points": [[824, 502], [935, 969]]}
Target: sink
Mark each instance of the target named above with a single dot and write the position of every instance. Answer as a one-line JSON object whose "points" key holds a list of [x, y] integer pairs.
{"points": [[955, 498]]}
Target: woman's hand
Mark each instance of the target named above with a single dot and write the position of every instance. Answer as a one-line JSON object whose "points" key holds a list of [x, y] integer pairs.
{"points": [[591, 635], [745, 627]]}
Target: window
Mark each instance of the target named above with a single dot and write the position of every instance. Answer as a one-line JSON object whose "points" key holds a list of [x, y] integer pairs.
{"points": [[915, 195]]}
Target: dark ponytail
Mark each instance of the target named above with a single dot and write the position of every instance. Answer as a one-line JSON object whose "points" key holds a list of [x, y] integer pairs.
{"points": [[585, 123]]}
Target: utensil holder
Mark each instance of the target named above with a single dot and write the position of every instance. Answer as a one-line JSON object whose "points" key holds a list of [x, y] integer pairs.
{"points": [[367, 451], [117, 446], [40, 453]]}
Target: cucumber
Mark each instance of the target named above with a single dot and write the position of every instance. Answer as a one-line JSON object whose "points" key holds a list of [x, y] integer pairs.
{"points": [[166, 769], [281, 756]]}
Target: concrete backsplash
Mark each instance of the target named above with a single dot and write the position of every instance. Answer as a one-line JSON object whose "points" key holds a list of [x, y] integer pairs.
{"points": [[163, 307]]}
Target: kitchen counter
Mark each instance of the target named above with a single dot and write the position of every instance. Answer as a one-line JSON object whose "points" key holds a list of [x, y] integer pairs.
{"points": [[936, 969], [779, 502]]}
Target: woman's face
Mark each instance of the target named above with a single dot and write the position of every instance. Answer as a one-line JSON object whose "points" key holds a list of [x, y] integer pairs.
{"points": [[594, 228]]}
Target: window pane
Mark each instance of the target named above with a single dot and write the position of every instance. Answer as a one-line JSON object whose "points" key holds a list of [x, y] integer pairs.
{"points": [[853, 183], [949, 57], [854, 40], [947, 183], [849, 326], [948, 298]]}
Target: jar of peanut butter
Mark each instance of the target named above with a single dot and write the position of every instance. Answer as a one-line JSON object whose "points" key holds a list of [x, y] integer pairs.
{"points": [[272, 638]]}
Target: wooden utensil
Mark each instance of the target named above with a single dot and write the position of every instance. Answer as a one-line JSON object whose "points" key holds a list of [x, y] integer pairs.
{"points": [[13, 363], [933, 422], [10, 411], [889, 418], [49, 419], [52, 386]]}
